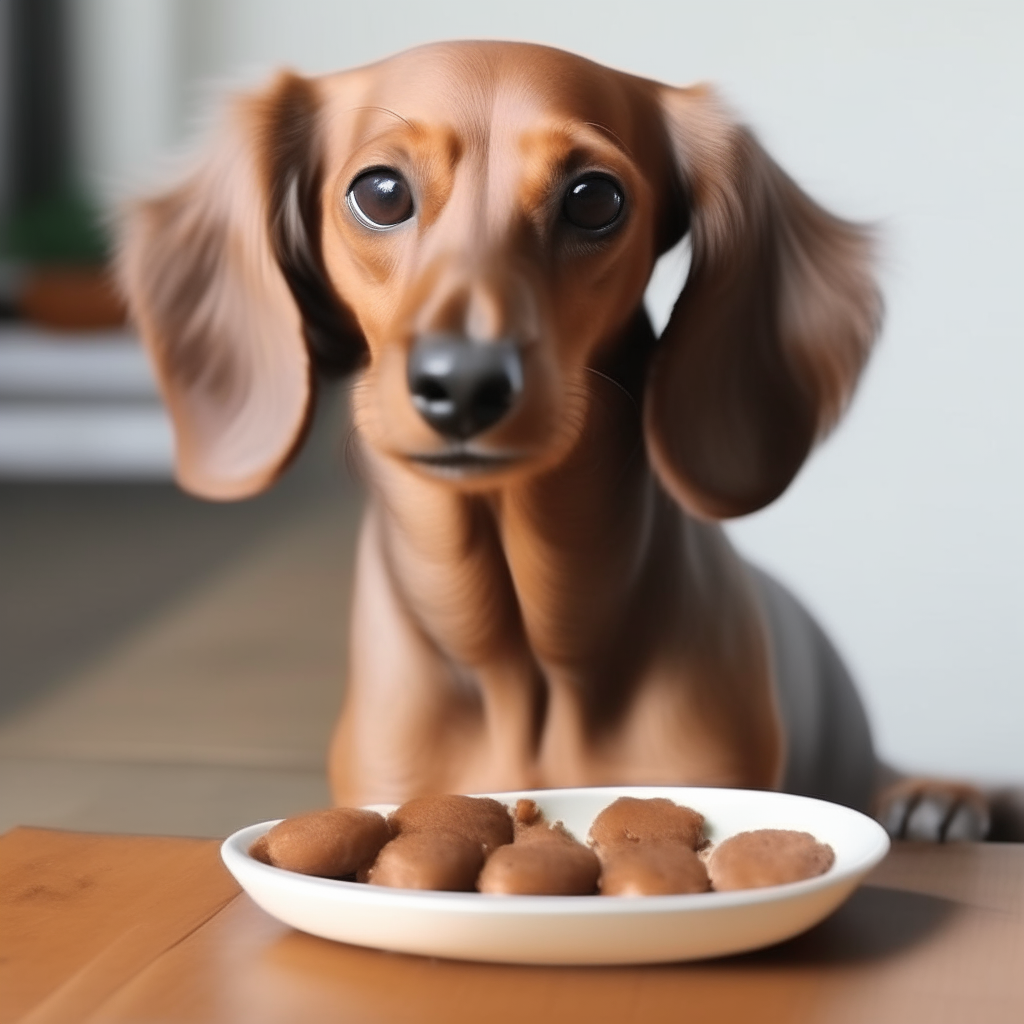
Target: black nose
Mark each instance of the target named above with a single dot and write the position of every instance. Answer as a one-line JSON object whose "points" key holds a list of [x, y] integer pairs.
{"points": [[462, 387]]}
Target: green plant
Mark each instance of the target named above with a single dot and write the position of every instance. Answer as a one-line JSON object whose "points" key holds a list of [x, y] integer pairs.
{"points": [[62, 228]]}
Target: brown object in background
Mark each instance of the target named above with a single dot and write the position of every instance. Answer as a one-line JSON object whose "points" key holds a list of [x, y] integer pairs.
{"points": [[480, 819], [72, 298], [442, 861], [631, 820], [330, 844], [767, 856], [651, 869]]}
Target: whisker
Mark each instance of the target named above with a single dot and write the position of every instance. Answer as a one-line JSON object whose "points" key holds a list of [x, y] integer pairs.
{"points": [[585, 388], [612, 380], [352, 457], [385, 110], [613, 135]]}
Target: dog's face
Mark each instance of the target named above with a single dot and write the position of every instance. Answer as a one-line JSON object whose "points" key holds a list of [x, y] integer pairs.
{"points": [[472, 226], [491, 215]]}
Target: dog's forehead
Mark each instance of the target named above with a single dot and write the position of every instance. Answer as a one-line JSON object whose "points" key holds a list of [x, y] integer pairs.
{"points": [[479, 88]]}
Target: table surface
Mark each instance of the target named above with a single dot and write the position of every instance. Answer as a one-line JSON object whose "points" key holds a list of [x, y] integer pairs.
{"points": [[139, 929]]}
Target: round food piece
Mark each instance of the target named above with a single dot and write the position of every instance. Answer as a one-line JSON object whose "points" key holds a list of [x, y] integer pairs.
{"points": [[631, 820], [331, 843], [428, 860], [258, 849], [768, 856], [651, 869], [481, 819], [560, 868]]}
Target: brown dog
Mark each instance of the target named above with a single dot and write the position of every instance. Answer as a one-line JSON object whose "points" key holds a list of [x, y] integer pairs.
{"points": [[543, 597]]}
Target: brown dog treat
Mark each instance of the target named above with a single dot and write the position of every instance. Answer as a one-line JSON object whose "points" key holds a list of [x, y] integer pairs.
{"points": [[481, 819], [330, 843], [559, 868], [526, 813], [530, 826], [428, 860], [651, 869], [258, 850], [631, 820], [769, 856]]}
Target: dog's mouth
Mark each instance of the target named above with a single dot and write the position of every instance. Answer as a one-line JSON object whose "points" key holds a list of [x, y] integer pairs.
{"points": [[461, 462]]}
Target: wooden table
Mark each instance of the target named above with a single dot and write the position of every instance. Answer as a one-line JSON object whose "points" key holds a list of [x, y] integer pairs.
{"points": [[116, 928]]}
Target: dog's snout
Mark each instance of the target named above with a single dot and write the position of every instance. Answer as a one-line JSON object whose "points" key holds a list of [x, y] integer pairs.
{"points": [[462, 387]]}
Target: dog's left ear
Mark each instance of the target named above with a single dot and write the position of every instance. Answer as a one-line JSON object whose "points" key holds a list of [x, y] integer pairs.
{"points": [[225, 279], [771, 331]]}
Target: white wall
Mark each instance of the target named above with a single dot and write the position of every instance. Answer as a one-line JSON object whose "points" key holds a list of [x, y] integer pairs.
{"points": [[126, 86], [905, 532]]}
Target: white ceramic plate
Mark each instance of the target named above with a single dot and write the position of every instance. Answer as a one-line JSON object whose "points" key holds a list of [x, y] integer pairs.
{"points": [[583, 929]]}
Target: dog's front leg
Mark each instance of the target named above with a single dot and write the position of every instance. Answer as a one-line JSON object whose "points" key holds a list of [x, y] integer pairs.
{"points": [[417, 717]]}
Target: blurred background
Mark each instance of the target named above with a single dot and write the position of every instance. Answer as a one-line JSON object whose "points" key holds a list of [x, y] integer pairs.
{"points": [[168, 665]]}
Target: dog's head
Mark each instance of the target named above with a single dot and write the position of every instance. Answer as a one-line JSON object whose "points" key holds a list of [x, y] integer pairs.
{"points": [[472, 227]]}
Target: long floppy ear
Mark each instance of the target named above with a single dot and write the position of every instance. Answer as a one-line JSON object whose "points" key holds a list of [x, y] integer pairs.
{"points": [[771, 331], [225, 279]]}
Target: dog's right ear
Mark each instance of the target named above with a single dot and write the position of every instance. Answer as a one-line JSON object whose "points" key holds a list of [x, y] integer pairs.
{"points": [[768, 338], [225, 279]]}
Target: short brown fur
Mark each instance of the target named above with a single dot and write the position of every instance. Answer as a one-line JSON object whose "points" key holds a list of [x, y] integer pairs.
{"points": [[576, 616]]}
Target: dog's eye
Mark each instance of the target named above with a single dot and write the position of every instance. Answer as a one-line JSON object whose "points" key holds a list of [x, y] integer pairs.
{"points": [[593, 203], [380, 198]]}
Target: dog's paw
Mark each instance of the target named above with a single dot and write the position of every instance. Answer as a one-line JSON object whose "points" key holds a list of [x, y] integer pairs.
{"points": [[930, 811], [1007, 815]]}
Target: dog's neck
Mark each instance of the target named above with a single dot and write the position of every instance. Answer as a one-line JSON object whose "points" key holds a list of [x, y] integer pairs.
{"points": [[552, 595], [551, 563]]}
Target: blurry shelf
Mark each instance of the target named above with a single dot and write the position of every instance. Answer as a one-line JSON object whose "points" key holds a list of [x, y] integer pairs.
{"points": [[85, 441], [79, 406], [49, 364]]}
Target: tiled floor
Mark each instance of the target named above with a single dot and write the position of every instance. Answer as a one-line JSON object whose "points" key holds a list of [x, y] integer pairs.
{"points": [[207, 707]]}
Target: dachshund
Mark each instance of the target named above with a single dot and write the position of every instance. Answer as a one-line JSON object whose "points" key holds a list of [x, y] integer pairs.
{"points": [[544, 595]]}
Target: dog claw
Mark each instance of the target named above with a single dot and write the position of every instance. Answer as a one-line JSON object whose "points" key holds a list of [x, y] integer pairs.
{"points": [[969, 822], [893, 814], [926, 818], [934, 812]]}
